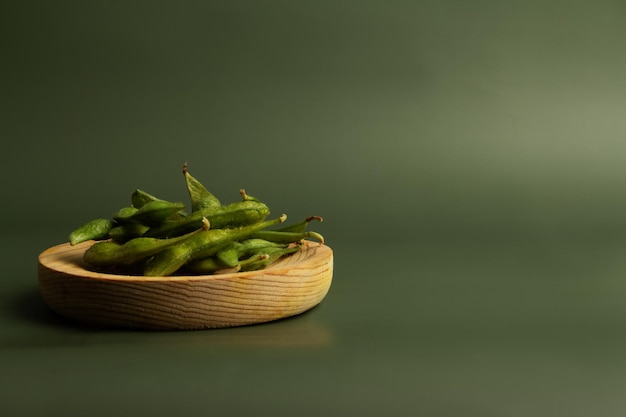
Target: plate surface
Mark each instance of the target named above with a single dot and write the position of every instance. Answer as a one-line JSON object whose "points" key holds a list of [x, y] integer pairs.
{"points": [[288, 287]]}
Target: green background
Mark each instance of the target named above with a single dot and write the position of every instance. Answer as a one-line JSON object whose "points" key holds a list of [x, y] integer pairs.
{"points": [[467, 158]]}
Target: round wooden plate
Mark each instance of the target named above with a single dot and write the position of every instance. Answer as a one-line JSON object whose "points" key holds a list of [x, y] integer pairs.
{"points": [[288, 287]]}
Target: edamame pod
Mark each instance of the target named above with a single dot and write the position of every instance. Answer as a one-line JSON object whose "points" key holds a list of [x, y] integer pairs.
{"points": [[96, 229], [286, 237], [124, 213], [222, 237], [125, 232], [211, 265], [301, 226], [205, 244], [229, 256], [252, 246], [236, 214], [271, 256], [106, 254], [201, 198], [151, 213], [139, 198], [205, 266]]}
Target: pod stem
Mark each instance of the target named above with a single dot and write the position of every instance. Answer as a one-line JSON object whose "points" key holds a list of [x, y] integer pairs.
{"points": [[247, 197], [317, 236]]}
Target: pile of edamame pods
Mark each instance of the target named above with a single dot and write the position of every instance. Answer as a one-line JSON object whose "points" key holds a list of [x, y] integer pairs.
{"points": [[156, 237]]}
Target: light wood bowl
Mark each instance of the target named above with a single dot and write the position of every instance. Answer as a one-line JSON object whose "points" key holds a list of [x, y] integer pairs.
{"points": [[288, 287]]}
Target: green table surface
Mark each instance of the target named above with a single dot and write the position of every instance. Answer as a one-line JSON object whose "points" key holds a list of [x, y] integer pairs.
{"points": [[435, 329]]}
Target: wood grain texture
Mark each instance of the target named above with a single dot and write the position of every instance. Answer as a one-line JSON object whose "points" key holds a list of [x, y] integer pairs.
{"points": [[290, 286]]}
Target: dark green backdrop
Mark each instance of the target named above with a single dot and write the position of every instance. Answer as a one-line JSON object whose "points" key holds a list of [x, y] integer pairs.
{"points": [[468, 158], [425, 117]]}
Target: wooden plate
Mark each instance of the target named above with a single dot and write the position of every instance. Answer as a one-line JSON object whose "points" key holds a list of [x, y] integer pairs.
{"points": [[288, 287]]}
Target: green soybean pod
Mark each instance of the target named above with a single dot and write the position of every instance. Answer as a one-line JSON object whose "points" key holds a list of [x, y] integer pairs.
{"points": [[222, 237], [125, 213], [201, 198], [236, 214], [204, 266], [229, 256], [247, 247], [210, 265], [139, 198], [286, 237], [203, 245], [109, 253], [153, 212], [96, 229], [300, 226], [271, 256], [125, 232]]}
